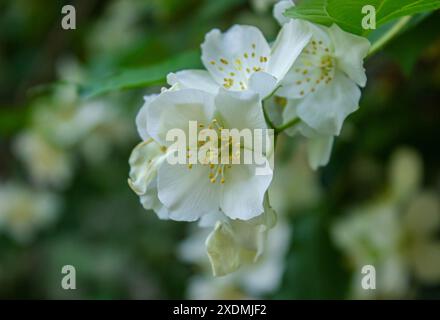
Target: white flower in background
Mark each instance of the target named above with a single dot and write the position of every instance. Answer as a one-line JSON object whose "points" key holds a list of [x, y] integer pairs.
{"points": [[396, 233], [262, 6], [189, 192], [47, 164], [323, 84], [257, 279], [61, 126], [241, 59], [24, 211], [371, 235]]}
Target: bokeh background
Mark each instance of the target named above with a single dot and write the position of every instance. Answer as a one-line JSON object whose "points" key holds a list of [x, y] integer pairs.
{"points": [[64, 198]]}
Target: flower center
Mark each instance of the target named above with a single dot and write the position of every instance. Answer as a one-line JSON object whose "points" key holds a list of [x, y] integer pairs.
{"points": [[219, 155], [236, 72], [316, 67]]}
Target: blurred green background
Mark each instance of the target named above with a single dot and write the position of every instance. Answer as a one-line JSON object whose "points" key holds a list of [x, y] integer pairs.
{"points": [[64, 198]]}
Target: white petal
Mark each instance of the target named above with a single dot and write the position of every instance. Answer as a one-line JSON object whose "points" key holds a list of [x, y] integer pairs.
{"points": [[280, 8], [306, 75], [225, 252], [319, 149], [150, 201], [233, 56], [141, 118], [236, 243], [243, 192], [291, 40], [210, 219], [240, 110], [174, 109], [144, 161], [350, 51], [187, 193], [326, 109], [193, 79], [262, 83]]}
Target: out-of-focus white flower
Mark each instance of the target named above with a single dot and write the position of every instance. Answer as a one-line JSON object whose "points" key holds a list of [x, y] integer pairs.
{"points": [[118, 28], [262, 5], [257, 279], [323, 84], [395, 234], [241, 59], [371, 235], [422, 222], [24, 211], [405, 173], [192, 191], [47, 164], [62, 126]]}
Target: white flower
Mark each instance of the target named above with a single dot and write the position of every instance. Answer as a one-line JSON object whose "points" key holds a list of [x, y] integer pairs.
{"points": [[234, 243], [395, 233], [258, 278], [241, 59], [23, 211], [324, 84], [47, 164], [189, 192], [144, 162]]}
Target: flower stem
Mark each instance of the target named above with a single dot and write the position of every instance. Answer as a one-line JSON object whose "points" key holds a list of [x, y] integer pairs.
{"points": [[384, 39], [267, 118], [287, 125]]}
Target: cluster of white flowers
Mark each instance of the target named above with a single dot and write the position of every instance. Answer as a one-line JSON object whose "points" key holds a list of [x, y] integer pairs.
{"points": [[310, 74], [60, 125], [60, 128], [396, 232], [23, 210]]}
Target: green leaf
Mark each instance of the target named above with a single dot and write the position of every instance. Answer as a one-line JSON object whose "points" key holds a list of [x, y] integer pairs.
{"points": [[141, 77], [348, 13]]}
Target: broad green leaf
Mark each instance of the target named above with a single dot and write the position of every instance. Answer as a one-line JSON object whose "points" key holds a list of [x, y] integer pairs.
{"points": [[141, 77], [348, 13]]}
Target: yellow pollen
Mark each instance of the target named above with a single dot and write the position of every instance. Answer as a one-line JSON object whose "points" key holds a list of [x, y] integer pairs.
{"points": [[224, 61]]}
